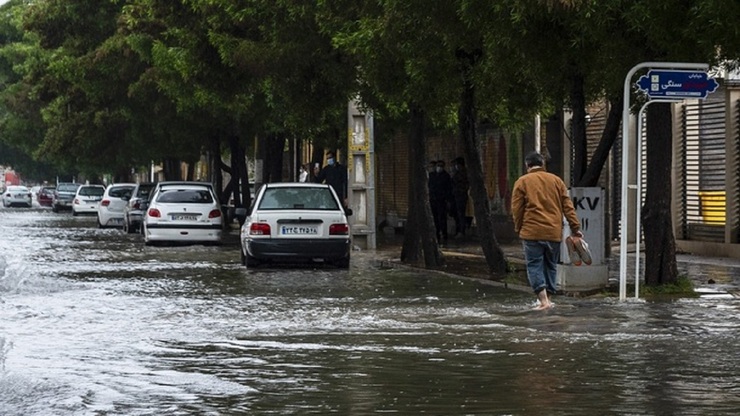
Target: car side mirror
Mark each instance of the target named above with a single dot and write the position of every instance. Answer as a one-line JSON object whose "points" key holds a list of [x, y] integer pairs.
{"points": [[348, 212]]}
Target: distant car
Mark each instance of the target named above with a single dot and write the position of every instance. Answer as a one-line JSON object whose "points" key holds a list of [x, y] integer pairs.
{"points": [[87, 199], [45, 196], [110, 210], [16, 195], [135, 208], [183, 212], [35, 191], [64, 194], [295, 222]]}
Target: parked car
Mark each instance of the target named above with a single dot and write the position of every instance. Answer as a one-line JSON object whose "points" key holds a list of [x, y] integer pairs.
{"points": [[110, 209], [295, 222], [87, 199], [45, 196], [135, 208], [183, 212], [63, 196], [17, 195]]}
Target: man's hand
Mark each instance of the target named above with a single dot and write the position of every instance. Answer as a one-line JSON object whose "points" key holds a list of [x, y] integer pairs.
{"points": [[578, 234]]}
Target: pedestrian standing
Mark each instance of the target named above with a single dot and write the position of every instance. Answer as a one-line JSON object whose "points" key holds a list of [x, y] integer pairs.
{"points": [[440, 196], [335, 175], [538, 204], [303, 173]]}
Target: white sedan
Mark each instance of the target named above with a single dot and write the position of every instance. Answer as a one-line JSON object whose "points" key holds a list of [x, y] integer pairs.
{"points": [[16, 195], [183, 212], [87, 199], [110, 210], [295, 222]]}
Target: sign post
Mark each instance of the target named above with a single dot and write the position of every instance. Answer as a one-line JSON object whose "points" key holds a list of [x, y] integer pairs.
{"points": [[677, 85], [665, 81]]}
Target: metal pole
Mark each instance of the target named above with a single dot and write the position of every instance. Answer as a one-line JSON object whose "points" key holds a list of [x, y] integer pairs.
{"points": [[625, 159], [638, 195]]}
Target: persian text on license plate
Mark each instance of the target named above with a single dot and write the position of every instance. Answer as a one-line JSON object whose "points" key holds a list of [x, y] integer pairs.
{"points": [[183, 217], [298, 230]]}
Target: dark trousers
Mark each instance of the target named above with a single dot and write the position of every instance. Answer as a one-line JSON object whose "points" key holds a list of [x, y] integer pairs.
{"points": [[439, 212]]}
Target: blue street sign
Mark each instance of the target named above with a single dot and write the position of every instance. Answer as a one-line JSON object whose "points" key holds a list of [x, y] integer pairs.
{"points": [[677, 85]]}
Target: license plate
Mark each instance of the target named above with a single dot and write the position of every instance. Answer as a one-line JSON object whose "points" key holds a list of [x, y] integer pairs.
{"points": [[298, 230], [184, 217]]}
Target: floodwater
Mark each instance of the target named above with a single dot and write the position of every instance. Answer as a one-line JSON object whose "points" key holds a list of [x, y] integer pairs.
{"points": [[92, 322]]}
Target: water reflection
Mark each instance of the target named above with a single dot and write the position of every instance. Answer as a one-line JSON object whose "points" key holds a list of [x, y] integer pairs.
{"points": [[93, 322]]}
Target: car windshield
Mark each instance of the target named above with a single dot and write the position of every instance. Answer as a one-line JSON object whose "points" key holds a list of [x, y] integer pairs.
{"points": [[68, 187], [92, 191], [298, 198], [120, 191], [185, 196]]}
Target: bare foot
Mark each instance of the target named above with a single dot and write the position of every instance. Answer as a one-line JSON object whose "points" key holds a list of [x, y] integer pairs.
{"points": [[544, 301]]}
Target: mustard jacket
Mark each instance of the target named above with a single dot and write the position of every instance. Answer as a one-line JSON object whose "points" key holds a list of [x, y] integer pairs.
{"points": [[538, 203]]}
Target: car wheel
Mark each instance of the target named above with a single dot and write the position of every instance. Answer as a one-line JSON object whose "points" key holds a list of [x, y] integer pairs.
{"points": [[54, 208], [250, 261], [342, 263], [100, 225], [74, 213]]}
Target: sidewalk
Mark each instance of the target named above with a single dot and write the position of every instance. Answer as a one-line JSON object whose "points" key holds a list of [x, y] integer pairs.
{"points": [[464, 256]]}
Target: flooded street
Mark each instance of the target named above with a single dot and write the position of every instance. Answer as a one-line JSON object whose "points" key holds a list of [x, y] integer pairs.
{"points": [[92, 322]]}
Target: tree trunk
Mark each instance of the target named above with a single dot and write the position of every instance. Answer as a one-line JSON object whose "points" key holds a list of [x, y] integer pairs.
{"points": [[608, 137], [217, 177], [493, 253], [235, 170], [244, 176], [273, 164], [660, 244], [171, 169], [578, 127], [419, 240]]}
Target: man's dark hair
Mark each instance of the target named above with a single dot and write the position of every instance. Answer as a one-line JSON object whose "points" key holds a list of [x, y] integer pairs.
{"points": [[534, 159]]}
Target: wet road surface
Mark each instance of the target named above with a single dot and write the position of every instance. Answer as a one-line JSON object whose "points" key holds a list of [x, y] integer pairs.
{"points": [[92, 322]]}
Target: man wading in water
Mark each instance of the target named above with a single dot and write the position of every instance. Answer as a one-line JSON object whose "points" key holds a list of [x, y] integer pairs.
{"points": [[538, 203]]}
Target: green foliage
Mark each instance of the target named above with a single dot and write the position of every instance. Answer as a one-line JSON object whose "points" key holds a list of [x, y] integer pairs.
{"points": [[684, 287], [108, 85]]}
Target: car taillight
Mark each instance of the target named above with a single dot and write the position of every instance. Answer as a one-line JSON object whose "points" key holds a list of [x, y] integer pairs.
{"points": [[214, 213], [137, 204], [259, 228], [154, 212], [105, 202], [339, 229]]}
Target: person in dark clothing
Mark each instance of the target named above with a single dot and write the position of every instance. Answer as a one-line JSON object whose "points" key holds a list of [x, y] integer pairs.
{"points": [[460, 186], [334, 174], [440, 195]]}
